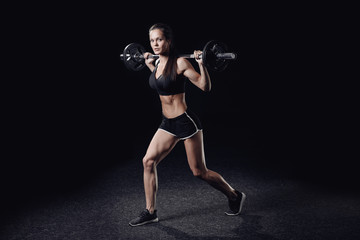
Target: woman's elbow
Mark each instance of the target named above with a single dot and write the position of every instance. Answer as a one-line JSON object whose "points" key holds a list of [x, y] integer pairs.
{"points": [[206, 88], [204, 84]]}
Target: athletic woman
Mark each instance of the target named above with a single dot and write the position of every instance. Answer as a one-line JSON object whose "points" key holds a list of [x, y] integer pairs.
{"points": [[168, 77]]}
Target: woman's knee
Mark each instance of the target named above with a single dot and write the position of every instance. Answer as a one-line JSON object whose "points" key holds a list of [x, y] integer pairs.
{"points": [[148, 163]]}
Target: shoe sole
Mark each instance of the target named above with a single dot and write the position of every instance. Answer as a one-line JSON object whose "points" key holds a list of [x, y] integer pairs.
{"points": [[241, 205], [143, 223]]}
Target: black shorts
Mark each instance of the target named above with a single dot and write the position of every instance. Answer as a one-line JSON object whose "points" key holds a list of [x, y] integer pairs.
{"points": [[183, 126]]}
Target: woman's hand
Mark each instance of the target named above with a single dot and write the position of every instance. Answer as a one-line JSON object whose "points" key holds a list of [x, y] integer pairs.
{"points": [[197, 53], [148, 60]]}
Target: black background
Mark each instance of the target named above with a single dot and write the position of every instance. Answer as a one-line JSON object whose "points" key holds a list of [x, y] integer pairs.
{"points": [[74, 110]]}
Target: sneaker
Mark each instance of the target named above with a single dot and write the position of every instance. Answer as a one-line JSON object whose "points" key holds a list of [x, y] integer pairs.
{"points": [[236, 205], [144, 218]]}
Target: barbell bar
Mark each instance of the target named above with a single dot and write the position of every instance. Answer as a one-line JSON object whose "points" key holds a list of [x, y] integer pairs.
{"points": [[230, 56], [214, 56]]}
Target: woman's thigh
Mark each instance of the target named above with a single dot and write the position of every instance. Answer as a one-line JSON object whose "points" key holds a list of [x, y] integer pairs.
{"points": [[194, 147], [160, 146]]}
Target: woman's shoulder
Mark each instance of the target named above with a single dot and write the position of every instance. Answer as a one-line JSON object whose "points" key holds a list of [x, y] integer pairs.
{"points": [[182, 63]]}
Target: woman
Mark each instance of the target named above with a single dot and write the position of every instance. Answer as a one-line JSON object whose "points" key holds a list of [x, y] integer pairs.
{"points": [[179, 123]]}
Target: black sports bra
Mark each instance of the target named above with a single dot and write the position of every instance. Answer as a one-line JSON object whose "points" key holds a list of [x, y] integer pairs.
{"points": [[167, 86]]}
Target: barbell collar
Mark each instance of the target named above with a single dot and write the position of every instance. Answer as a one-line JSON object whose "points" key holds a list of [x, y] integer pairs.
{"points": [[230, 56]]}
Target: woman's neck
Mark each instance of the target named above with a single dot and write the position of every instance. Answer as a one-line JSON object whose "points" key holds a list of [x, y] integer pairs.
{"points": [[163, 58]]}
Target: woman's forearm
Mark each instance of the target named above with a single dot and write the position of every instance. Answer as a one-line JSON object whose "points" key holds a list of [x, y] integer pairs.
{"points": [[205, 81]]}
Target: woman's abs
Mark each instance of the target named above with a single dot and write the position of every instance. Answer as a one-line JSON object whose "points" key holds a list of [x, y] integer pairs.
{"points": [[173, 105]]}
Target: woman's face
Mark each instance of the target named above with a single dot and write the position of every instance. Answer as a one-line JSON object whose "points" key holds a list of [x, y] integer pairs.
{"points": [[158, 42]]}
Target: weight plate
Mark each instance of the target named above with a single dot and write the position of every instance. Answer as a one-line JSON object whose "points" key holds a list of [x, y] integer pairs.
{"points": [[131, 57], [209, 56]]}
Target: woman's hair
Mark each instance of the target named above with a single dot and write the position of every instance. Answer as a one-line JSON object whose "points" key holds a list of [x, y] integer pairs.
{"points": [[171, 66]]}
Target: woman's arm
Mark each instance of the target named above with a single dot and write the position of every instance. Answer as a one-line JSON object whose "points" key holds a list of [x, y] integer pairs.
{"points": [[201, 80], [149, 61]]}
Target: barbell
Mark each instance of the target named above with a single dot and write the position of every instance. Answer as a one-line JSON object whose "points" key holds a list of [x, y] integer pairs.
{"points": [[214, 56]]}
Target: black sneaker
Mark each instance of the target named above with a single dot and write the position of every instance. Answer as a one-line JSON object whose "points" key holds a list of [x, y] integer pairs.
{"points": [[144, 218], [236, 205]]}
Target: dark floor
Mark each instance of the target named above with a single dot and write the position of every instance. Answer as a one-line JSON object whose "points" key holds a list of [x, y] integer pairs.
{"points": [[277, 206]]}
